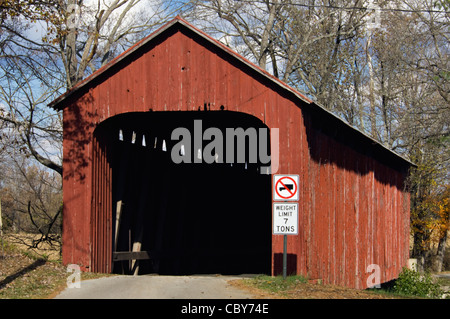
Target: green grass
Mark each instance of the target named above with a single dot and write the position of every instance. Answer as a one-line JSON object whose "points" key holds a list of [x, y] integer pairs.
{"points": [[413, 283], [276, 284], [300, 287]]}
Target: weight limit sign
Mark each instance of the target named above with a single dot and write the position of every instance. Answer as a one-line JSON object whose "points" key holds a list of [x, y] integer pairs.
{"points": [[285, 219]]}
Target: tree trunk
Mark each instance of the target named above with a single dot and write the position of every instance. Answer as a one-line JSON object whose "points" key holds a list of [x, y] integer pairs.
{"points": [[373, 127], [420, 251], [440, 254]]}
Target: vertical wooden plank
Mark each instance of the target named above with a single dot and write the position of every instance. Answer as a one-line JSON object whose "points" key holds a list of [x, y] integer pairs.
{"points": [[307, 182], [140, 84], [163, 75], [377, 221], [321, 219], [341, 239], [174, 72], [94, 208], [109, 237], [330, 210], [210, 77], [315, 210], [352, 223], [197, 55], [82, 189], [97, 260], [363, 223], [301, 241], [185, 73], [335, 198], [355, 226], [311, 200], [100, 226], [347, 217], [221, 82], [152, 76], [94, 212]]}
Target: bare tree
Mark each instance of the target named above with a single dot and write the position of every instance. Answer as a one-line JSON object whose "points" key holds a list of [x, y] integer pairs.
{"points": [[33, 200], [95, 32], [49, 46]]}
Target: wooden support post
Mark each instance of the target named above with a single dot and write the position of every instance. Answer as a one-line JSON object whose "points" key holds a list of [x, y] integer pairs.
{"points": [[118, 218], [117, 228], [135, 262], [129, 248]]}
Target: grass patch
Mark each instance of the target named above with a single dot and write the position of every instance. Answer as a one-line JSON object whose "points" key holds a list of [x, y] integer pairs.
{"points": [[276, 285], [412, 283], [299, 287]]}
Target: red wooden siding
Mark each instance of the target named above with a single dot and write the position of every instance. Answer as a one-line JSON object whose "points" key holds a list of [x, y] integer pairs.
{"points": [[102, 207], [353, 209]]}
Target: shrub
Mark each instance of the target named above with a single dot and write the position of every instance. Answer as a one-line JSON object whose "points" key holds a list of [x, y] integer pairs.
{"points": [[412, 283]]}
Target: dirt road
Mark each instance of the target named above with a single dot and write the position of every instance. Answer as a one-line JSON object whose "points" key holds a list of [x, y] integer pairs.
{"points": [[156, 287]]}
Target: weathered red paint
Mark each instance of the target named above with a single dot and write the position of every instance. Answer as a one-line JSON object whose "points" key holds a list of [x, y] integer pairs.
{"points": [[353, 209]]}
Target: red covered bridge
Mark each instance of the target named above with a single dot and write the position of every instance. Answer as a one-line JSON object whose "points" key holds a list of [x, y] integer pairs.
{"points": [[129, 207]]}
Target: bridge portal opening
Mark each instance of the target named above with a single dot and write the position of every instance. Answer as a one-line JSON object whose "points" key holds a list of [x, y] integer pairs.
{"points": [[178, 206]]}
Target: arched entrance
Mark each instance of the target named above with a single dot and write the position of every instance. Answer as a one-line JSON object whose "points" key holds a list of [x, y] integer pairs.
{"points": [[203, 215]]}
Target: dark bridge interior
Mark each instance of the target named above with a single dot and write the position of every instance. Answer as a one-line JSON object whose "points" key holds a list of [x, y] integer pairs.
{"points": [[188, 218]]}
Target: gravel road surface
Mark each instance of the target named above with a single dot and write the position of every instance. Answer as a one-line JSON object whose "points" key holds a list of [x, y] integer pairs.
{"points": [[156, 287]]}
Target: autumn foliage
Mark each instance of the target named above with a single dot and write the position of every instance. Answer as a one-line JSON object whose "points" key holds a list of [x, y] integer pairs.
{"points": [[430, 223]]}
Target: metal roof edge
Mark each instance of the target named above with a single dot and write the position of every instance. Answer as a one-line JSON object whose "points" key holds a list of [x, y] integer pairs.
{"points": [[365, 135]]}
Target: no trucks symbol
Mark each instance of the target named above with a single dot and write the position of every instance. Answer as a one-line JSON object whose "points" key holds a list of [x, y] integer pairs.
{"points": [[285, 188]]}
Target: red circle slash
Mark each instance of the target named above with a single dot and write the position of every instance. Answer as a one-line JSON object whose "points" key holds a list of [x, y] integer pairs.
{"points": [[292, 193]]}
